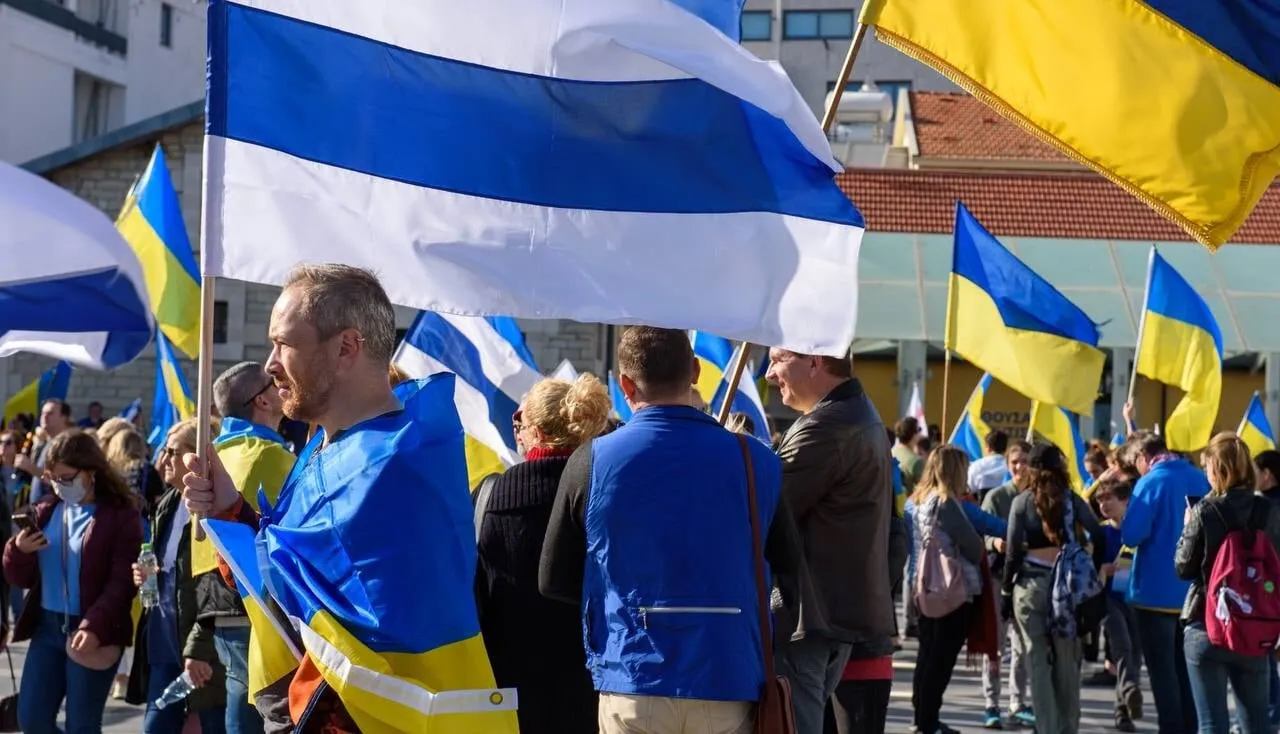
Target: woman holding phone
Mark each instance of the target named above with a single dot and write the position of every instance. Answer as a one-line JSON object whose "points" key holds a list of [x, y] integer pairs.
{"points": [[74, 558]]}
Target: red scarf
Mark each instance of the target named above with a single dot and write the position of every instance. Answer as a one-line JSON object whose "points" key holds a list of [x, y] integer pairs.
{"points": [[545, 452]]}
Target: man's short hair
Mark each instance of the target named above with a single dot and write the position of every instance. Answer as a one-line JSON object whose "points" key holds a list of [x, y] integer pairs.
{"points": [[997, 441], [1146, 443], [1118, 488], [841, 366], [235, 389], [63, 406], [1019, 446], [335, 297], [660, 361], [906, 430]]}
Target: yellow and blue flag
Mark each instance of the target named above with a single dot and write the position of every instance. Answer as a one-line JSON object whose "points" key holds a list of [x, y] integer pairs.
{"points": [[52, 383], [971, 431], [172, 402], [1255, 429], [1061, 428], [495, 370], [151, 222], [1007, 320], [619, 400], [396, 637], [1117, 440], [1203, 74], [1180, 344], [715, 357]]}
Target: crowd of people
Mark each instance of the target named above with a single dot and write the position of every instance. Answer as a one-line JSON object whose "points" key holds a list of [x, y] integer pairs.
{"points": [[615, 575]]}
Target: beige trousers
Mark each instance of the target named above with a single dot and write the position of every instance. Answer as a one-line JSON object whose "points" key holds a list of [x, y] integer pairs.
{"points": [[659, 715]]}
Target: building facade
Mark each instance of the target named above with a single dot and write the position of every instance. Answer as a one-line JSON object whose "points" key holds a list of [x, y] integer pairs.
{"points": [[71, 70]]}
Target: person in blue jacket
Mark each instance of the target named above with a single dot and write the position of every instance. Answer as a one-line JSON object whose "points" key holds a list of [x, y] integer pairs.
{"points": [[1152, 526]]}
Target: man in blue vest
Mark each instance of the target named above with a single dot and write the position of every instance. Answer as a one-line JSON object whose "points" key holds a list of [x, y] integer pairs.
{"points": [[651, 534]]}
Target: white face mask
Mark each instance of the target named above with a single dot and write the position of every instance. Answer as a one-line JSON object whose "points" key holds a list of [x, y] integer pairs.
{"points": [[71, 492]]}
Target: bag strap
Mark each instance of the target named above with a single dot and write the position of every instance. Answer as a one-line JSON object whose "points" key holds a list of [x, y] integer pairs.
{"points": [[482, 500], [757, 549]]}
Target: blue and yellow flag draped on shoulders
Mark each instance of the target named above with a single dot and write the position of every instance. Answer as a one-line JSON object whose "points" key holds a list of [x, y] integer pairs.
{"points": [[971, 431], [1183, 101], [397, 638], [1061, 428], [1255, 428], [1007, 320], [52, 383], [1180, 344], [151, 222]]}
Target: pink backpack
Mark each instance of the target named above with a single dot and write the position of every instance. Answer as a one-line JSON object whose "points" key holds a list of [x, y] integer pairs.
{"points": [[940, 588], [1242, 600]]}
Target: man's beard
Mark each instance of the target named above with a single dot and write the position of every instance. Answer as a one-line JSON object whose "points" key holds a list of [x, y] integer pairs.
{"points": [[308, 394]]}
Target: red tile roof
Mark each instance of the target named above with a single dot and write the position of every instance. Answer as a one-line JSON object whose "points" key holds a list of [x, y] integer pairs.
{"points": [[956, 125], [1069, 205]]}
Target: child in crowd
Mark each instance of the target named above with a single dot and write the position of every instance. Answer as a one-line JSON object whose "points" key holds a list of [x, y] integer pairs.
{"points": [[1112, 496]]}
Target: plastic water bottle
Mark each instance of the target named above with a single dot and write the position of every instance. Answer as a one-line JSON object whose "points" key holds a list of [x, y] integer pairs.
{"points": [[149, 593], [180, 688]]}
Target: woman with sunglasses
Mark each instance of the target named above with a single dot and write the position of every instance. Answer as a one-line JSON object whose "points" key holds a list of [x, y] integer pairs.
{"points": [[534, 643], [75, 560]]}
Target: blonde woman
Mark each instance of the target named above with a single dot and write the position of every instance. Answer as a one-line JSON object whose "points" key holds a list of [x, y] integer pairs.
{"points": [[937, 501], [1231, 505], [128, 452], [534, 643], [110, 428]]}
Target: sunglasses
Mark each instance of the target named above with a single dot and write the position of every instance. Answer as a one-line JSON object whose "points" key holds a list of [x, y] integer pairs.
{"points": [[8, 442], [259, 393]]}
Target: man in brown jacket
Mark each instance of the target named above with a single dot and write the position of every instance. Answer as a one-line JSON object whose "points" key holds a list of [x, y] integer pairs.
{"points": [[837, 479]]}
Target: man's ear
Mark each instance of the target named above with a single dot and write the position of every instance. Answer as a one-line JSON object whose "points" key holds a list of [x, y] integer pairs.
{"points": [[629, 387]]}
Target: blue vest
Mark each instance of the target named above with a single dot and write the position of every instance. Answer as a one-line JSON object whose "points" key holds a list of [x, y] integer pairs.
{"points": [[669, 603]]}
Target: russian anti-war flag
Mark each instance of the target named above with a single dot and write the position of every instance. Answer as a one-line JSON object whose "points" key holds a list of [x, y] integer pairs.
{"points": [[971, 431], [715, 357], [493, 377], [531, 158], [71, 288], [1181, 345], [173, 401], [1007, 320], [1255, 429], [52, 383], [151, 222]]}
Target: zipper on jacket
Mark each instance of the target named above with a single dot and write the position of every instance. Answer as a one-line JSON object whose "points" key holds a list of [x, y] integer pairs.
{"points": [[646, 611]]}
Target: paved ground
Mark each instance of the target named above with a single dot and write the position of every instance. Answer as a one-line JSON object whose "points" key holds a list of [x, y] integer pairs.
{"points": [[963, 708]]}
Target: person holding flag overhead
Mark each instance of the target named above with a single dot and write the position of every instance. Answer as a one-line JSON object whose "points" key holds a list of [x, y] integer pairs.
{"points": [[1255, 429], [369, 554]]}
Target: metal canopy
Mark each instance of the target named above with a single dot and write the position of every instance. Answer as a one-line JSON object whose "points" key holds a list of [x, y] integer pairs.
{"points": [[903, 285]]}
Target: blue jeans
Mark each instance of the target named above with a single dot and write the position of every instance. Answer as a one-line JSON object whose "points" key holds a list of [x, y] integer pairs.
{"points": [[16, 596], [49, 676], [232, 644], [1162, 650], [171, 719], [1209, 668], [1273, 709]]}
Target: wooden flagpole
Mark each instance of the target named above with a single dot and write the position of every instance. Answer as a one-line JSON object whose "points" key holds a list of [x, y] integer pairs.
{"points": [[828, 119], [204, 387]]}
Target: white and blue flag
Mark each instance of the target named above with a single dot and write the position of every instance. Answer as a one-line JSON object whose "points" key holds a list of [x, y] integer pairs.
{"points": [[576, 159], [71, 288], [494, 372]]}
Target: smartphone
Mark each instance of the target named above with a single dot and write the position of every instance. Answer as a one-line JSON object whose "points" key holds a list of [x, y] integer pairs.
{"points": [[25, 521], [1192, 500]]}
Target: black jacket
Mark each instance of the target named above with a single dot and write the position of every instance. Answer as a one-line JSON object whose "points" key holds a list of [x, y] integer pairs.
{"points": [[1206, 530], [837, 478]]}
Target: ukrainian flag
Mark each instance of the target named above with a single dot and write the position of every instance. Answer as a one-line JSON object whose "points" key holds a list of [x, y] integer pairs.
{"points": [[1255, 429], [52, 383], [1177, 101], [1180, 344], [151, 222], [397, 636], [495, 370], [172, 402], [971, 432], [1117, 440], [620, 406], [1061, 428], [715, 356], [1007, 320]]}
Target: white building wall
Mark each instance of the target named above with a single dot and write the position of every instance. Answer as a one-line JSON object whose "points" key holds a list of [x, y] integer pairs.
{"points": [[160, 78]]}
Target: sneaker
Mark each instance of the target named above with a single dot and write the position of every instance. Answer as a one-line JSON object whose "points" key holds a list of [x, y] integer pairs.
{"points": [[992, 720], [1133, 702], [1024, 716], [1123, 722]]}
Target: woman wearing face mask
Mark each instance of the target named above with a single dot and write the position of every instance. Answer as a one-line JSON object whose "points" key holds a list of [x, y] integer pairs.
{"points": [[534, 643], [76, 568]]}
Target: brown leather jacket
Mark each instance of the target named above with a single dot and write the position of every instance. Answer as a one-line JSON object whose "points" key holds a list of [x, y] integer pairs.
{"points": [[837, 478]]}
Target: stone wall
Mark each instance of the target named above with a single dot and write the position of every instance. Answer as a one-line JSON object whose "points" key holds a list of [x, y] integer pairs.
{"points": [[105, 178]]}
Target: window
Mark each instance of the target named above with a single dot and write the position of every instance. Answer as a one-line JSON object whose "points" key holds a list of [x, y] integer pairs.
{"points": [[817, 24], [97, 106], [166, 25], [757, 25], [220, 317]]}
